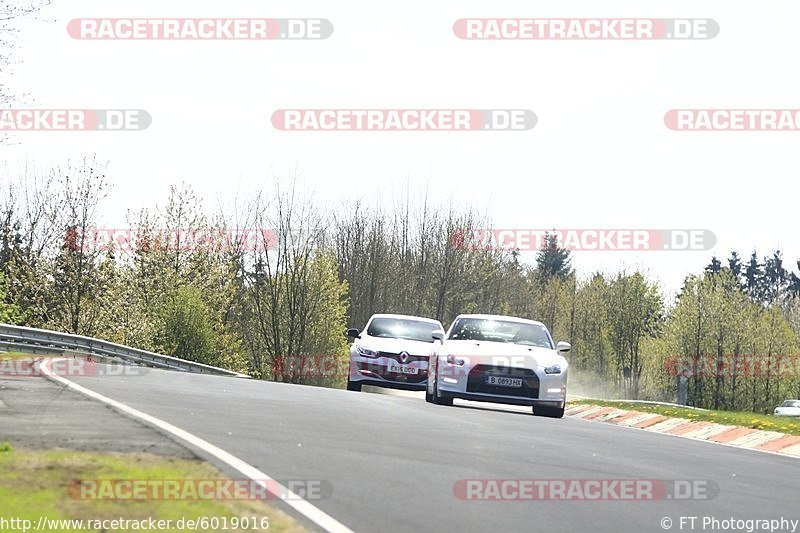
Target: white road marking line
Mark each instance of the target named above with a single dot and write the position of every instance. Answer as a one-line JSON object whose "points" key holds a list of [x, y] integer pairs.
{"points": [[300, 505]]}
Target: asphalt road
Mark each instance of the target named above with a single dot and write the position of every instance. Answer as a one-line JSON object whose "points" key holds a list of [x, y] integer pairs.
{"points": [[40, 415], [393, 460]]}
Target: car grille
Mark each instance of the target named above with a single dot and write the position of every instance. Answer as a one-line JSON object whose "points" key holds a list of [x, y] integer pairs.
{"points": [[396, 357], [476, 381], [381, 371]]}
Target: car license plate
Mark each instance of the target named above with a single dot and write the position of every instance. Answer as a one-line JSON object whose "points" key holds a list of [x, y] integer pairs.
{"points": [[503, 382], [402, 369]]}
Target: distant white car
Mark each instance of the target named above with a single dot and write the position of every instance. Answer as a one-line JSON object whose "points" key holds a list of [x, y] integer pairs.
{"points": [[500, 359], [788, 408], [392, 351]]}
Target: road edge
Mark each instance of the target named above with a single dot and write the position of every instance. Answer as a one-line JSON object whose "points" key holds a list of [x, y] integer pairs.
{"points": [[299, 505], [734, 436]]}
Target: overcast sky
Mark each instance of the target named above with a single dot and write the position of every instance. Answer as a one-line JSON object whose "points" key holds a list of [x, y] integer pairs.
{"points": [[599, 157]]}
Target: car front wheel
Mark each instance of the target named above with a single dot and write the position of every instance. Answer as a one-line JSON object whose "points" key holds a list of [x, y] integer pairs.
{"points": [[439, 400], [354, 385]]}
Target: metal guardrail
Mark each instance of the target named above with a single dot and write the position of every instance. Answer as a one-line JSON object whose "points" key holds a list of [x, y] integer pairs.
{"points": [[43, 341]]}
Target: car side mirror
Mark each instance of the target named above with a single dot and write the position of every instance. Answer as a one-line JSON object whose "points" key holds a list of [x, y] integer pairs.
{"points": [[352, 333], [437, 336], [563, 348]]}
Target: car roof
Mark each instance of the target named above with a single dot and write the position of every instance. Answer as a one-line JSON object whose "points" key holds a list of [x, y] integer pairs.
{"points": [[501, 317], [407, 317]]}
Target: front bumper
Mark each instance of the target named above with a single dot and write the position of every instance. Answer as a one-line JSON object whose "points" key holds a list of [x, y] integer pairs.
{"points": [[510, 400], [392, 384], [375, 371], [470, 383]]}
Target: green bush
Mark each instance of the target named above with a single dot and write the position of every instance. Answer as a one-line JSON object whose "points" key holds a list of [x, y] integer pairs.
{"points": [[188, 332]]}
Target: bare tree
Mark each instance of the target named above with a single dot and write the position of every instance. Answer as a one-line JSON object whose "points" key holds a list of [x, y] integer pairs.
{"points": [[286, 285], [11, 13], [76, 279]]}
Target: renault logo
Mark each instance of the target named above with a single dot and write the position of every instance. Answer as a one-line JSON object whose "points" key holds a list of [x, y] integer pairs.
{"points": [[404, 357]]}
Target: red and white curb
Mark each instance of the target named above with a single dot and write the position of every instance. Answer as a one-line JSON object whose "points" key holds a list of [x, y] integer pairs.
{"points": [[754, 439]]}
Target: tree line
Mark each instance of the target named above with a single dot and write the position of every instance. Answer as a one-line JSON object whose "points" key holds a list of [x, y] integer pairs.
{"points": [[288, 275]]}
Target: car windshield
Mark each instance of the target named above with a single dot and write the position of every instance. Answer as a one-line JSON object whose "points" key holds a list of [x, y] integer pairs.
{"points": [[791, 403], [402, 328], [482, 329]]}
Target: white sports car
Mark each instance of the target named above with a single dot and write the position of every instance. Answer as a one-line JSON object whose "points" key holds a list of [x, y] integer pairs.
{"points": [[499, 359], [392, 351], [788, 408]]}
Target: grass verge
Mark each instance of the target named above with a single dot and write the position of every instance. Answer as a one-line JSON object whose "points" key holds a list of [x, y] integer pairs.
{"points": [[781, 424], [19, 355], [35, 483]]}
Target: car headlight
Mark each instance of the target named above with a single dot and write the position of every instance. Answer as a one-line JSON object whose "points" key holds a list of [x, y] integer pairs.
{"points": [[553, 369], [366, 352]]}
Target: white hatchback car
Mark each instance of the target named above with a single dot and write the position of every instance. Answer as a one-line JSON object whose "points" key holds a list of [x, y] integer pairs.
{"points": [[501, 359], [788, 408], [392, 351]]}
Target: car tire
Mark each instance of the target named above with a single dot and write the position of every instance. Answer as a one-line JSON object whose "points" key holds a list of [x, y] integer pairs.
{"points": [[548, 411], [439, 400], [354, 386]]}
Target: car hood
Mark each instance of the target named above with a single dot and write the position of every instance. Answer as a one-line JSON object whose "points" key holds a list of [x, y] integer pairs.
{"points": [[384, 344], [485, 352]]}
